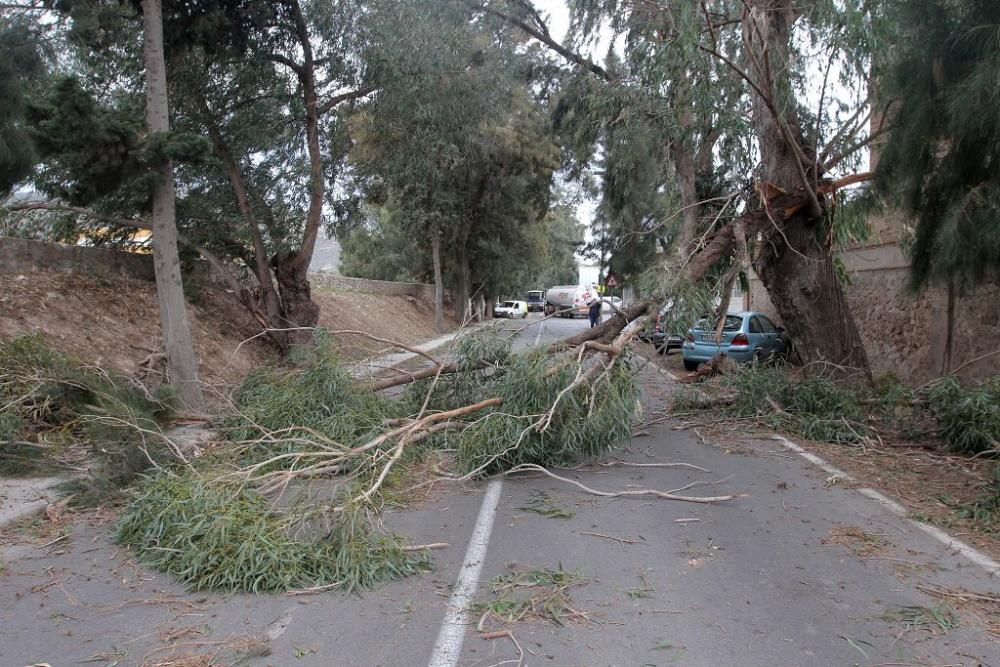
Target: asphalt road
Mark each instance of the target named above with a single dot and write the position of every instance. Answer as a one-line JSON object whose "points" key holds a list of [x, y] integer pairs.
{"points": [[762, 580]]}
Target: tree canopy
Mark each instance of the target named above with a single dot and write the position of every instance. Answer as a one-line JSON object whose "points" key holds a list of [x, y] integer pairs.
{"points": [[939, 164]]}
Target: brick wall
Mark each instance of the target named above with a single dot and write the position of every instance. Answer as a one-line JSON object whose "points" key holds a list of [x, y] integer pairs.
{"points": [[24, 256]]}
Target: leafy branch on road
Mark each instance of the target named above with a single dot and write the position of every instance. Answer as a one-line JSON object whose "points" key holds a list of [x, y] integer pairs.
{"points": [[292, 498]]}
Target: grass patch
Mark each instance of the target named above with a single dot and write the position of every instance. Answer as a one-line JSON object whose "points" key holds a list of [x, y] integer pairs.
{"points": [[545, 505], [533, 595], [54, 411], [937, 620], [985, 511], [966, 420]]}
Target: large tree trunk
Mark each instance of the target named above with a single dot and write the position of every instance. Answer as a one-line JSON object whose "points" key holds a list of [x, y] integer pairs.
{"points": [[181, 360], [438, 282], [301, 312], [795, 263]]}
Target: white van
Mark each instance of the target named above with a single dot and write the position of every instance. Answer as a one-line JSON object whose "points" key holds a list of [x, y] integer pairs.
{"points": [[511, 309]]}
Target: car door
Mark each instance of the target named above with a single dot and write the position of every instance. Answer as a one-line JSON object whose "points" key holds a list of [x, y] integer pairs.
{"points": [[774, 338], [758, 341]]}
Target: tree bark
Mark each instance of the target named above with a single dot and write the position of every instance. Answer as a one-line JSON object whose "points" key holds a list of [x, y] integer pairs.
{"points": [[181, 360], [795, 262], [273, 315], [687, 181], [462, 278], [438, 282]]}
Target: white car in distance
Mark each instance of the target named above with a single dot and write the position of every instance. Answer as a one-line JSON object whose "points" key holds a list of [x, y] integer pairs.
{"points": [[611, 304], [511, 309]]}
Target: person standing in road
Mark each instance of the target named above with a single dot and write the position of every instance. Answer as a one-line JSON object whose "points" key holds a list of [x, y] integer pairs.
{"points": [[595, 313]]}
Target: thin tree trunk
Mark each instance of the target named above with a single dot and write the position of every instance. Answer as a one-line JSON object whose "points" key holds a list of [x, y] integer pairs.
{"points": [[272, 315], [181, 360], [795, 263], [687, 184], [291, 269], [462, 278], [438, 282], [949, 340]]}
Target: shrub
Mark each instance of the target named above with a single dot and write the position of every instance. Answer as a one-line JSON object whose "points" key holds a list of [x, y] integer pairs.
{"points": [[968, 418], [51, 403]]}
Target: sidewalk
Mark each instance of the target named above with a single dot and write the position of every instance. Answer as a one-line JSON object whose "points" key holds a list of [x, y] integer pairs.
{"points": [[369, 367], [22, 497]]}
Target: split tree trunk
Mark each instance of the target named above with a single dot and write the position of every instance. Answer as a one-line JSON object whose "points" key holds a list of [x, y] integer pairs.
{"points": [[795, 263], [181, 360]]}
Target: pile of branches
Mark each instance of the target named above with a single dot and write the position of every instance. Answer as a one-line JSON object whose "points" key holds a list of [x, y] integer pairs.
{"points": [[248, 516]]}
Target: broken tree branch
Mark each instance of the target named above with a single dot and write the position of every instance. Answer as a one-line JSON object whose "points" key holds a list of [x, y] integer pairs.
{"points": [[531, 467]]}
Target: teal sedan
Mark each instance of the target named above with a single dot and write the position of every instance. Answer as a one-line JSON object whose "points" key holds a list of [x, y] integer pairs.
{"points": [[748, 336]]}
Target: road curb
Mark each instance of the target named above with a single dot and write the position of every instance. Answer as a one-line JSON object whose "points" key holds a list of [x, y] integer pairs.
{"points": [[991, 566], [24, 497]]}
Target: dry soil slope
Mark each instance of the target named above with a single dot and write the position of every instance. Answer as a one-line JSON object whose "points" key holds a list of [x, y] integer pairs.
{"points": [[114, 323]]}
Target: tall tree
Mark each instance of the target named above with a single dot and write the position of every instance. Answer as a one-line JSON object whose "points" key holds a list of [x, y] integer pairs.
{"points": [[181, 360], [457, 141], [20, 65], [263, 82], [751, 46], [940, 162], [795, 262]]}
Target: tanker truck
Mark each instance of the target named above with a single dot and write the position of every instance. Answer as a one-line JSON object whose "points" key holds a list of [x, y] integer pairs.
{"points": [[569, 300]]}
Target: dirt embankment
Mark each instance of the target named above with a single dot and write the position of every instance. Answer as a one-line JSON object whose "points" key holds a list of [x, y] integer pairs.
{"points": [[114, 323]]}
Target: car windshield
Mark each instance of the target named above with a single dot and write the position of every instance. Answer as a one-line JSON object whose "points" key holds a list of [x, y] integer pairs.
{"points": [[733, 323], [509, 304]]}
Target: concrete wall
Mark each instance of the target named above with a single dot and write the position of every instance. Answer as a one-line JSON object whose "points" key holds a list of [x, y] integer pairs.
{"points": [[24, 256], [906, 334]]}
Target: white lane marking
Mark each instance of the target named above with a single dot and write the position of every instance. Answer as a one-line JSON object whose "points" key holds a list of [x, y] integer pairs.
{"points": [[448, 646], [541, 328], [974, 555], [812, 458], [884, 501]]}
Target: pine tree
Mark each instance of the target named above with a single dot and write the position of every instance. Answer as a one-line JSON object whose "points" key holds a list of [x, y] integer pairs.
{"points": [[940, 163]]}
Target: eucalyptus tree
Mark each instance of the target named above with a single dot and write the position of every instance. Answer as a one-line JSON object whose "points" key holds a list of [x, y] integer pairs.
{"points": [[732, 77], [177, 344], [456, 142]]}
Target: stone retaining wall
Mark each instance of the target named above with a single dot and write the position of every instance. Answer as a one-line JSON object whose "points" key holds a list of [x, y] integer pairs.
{"points": [[24, 256]]}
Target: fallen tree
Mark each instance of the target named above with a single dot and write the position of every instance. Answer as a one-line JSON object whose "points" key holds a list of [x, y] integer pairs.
{"points": [[485, 411]]}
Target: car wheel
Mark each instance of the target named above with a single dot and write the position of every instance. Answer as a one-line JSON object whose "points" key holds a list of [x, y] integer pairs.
{"points": [[690, 365]]}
